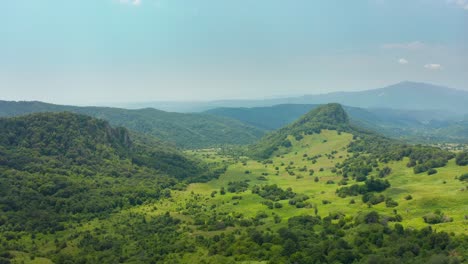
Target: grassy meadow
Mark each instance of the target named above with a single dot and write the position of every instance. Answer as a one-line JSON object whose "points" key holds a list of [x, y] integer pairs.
{"points": [[429, 192]]}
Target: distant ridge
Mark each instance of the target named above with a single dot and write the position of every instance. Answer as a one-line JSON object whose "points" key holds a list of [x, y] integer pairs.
{"points": [[404, 95]]}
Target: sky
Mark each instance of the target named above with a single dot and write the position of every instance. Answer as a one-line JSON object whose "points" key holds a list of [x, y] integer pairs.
{"points": [[110, 51]]}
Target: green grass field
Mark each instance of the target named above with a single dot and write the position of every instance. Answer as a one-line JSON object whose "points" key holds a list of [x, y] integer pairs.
{"points": [[440, 191]]}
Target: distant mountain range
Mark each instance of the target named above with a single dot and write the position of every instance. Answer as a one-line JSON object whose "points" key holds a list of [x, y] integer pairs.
{"points": [[404, 95]]}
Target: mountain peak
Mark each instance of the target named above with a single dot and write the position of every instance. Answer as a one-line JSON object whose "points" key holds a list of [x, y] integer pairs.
{"points": [[329, 114]]}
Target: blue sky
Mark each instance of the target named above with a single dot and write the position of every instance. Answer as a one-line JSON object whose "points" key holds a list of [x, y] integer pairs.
{"points": [[97, 51]]}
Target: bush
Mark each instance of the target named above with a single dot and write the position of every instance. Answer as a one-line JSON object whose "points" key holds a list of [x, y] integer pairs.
{"points": [[436, 218], [462, 159], [431, 171], [390, 203], [372, 198], [237, 187], [385, 172], [464, 177], [420, 168], [278, 205], [273, 192]]}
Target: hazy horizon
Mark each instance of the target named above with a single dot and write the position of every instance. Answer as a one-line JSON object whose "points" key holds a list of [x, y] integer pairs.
{"points": [[118, 51]]}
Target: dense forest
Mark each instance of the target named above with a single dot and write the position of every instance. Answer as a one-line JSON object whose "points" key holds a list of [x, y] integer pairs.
{"points": [[65, 167]]}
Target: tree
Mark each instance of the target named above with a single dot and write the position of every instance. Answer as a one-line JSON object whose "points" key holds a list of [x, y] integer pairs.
{"points": [[372, 217], [462, 158], [289, 247]]}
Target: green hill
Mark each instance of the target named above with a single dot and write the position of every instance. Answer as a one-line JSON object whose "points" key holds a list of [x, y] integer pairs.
{"points": [[330, 116], [183, 130], [61, 167], [334, 117]]}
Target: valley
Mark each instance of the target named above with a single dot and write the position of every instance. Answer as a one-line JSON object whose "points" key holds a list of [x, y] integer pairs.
{"points": [[234, 132], [241, 214]]}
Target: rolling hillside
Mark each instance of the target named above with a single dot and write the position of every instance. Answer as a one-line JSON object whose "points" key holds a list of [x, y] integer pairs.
{"points": [[182, 130]]}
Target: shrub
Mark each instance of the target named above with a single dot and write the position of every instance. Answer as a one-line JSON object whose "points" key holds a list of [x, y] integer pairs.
{"points": [[464, 177], [237, 187], [431, 171], [462, 159], [372, 217], [269, 204], [385, 172], [278, 205], [273, 192], [390, 203], [420, 168], [372, 198], [436, 218]]}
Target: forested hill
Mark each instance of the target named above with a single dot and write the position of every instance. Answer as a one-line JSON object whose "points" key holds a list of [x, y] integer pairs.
{"points": [[64, 135], [62, 167], [183, 130]]}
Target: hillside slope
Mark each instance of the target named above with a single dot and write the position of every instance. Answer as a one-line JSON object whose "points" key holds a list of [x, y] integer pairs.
{"points": [[183, 130], [55, 167]]}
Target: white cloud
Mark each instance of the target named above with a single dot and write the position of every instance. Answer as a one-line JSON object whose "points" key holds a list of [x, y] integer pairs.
{"points": [[433, 66], [131, 2], [403, 61], [409, 46], [460, 3]]}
